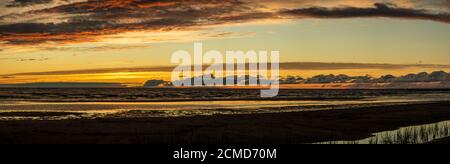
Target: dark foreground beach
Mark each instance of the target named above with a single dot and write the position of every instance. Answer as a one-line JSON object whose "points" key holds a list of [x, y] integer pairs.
{"points": [[270, 128], [441, 141]]}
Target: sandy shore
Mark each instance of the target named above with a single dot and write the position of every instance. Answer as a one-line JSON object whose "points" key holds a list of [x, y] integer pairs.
{"points": [[273, 128]]}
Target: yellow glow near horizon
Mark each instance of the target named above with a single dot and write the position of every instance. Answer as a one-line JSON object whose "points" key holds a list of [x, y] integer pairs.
{"points": [[333, 41], [139, 78]]}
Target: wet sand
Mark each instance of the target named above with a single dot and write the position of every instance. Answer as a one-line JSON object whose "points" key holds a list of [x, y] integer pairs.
{"points": [[271, 128]]}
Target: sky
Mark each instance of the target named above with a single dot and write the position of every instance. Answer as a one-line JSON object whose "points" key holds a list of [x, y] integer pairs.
{"points": [[131, 41]]}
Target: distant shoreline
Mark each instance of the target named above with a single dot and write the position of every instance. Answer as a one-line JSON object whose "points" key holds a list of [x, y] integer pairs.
{"points": [[131, 95], [179, 100]]}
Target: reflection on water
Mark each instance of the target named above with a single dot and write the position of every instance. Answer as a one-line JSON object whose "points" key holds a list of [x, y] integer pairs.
{"points": [[407, 135], [170, 108], [90, 110]]}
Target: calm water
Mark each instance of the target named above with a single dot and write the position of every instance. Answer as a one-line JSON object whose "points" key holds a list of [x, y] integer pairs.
{"points": [[93, 103]]}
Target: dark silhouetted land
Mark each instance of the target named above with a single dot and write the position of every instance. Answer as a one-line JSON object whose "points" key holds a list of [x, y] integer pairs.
{"points": [[273, 128]]}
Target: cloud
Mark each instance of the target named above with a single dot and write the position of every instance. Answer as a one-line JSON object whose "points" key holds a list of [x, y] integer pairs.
{"points": [[424, 77], [64, 85], [111, 47], [96, 71], [98, 18], [304, 66], [292, 80], [156, 83], [322, 79], [32, 59], [379, 10], [25, 59], [436, 76], [439, 5], [7, 77], [72, 21], [22, 3], [342, 66]]}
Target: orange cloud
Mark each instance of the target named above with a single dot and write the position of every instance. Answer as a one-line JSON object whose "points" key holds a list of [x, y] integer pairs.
{"points": [[86, 21]]}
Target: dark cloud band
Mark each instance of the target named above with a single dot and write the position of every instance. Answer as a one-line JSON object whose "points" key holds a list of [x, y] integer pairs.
{"points": [[379, 10], [283, 66], [23, 3], [87, 20], [95, 18]]}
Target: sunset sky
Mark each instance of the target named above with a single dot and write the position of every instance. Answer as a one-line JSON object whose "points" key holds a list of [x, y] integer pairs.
{"points": [[131, 41]]}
